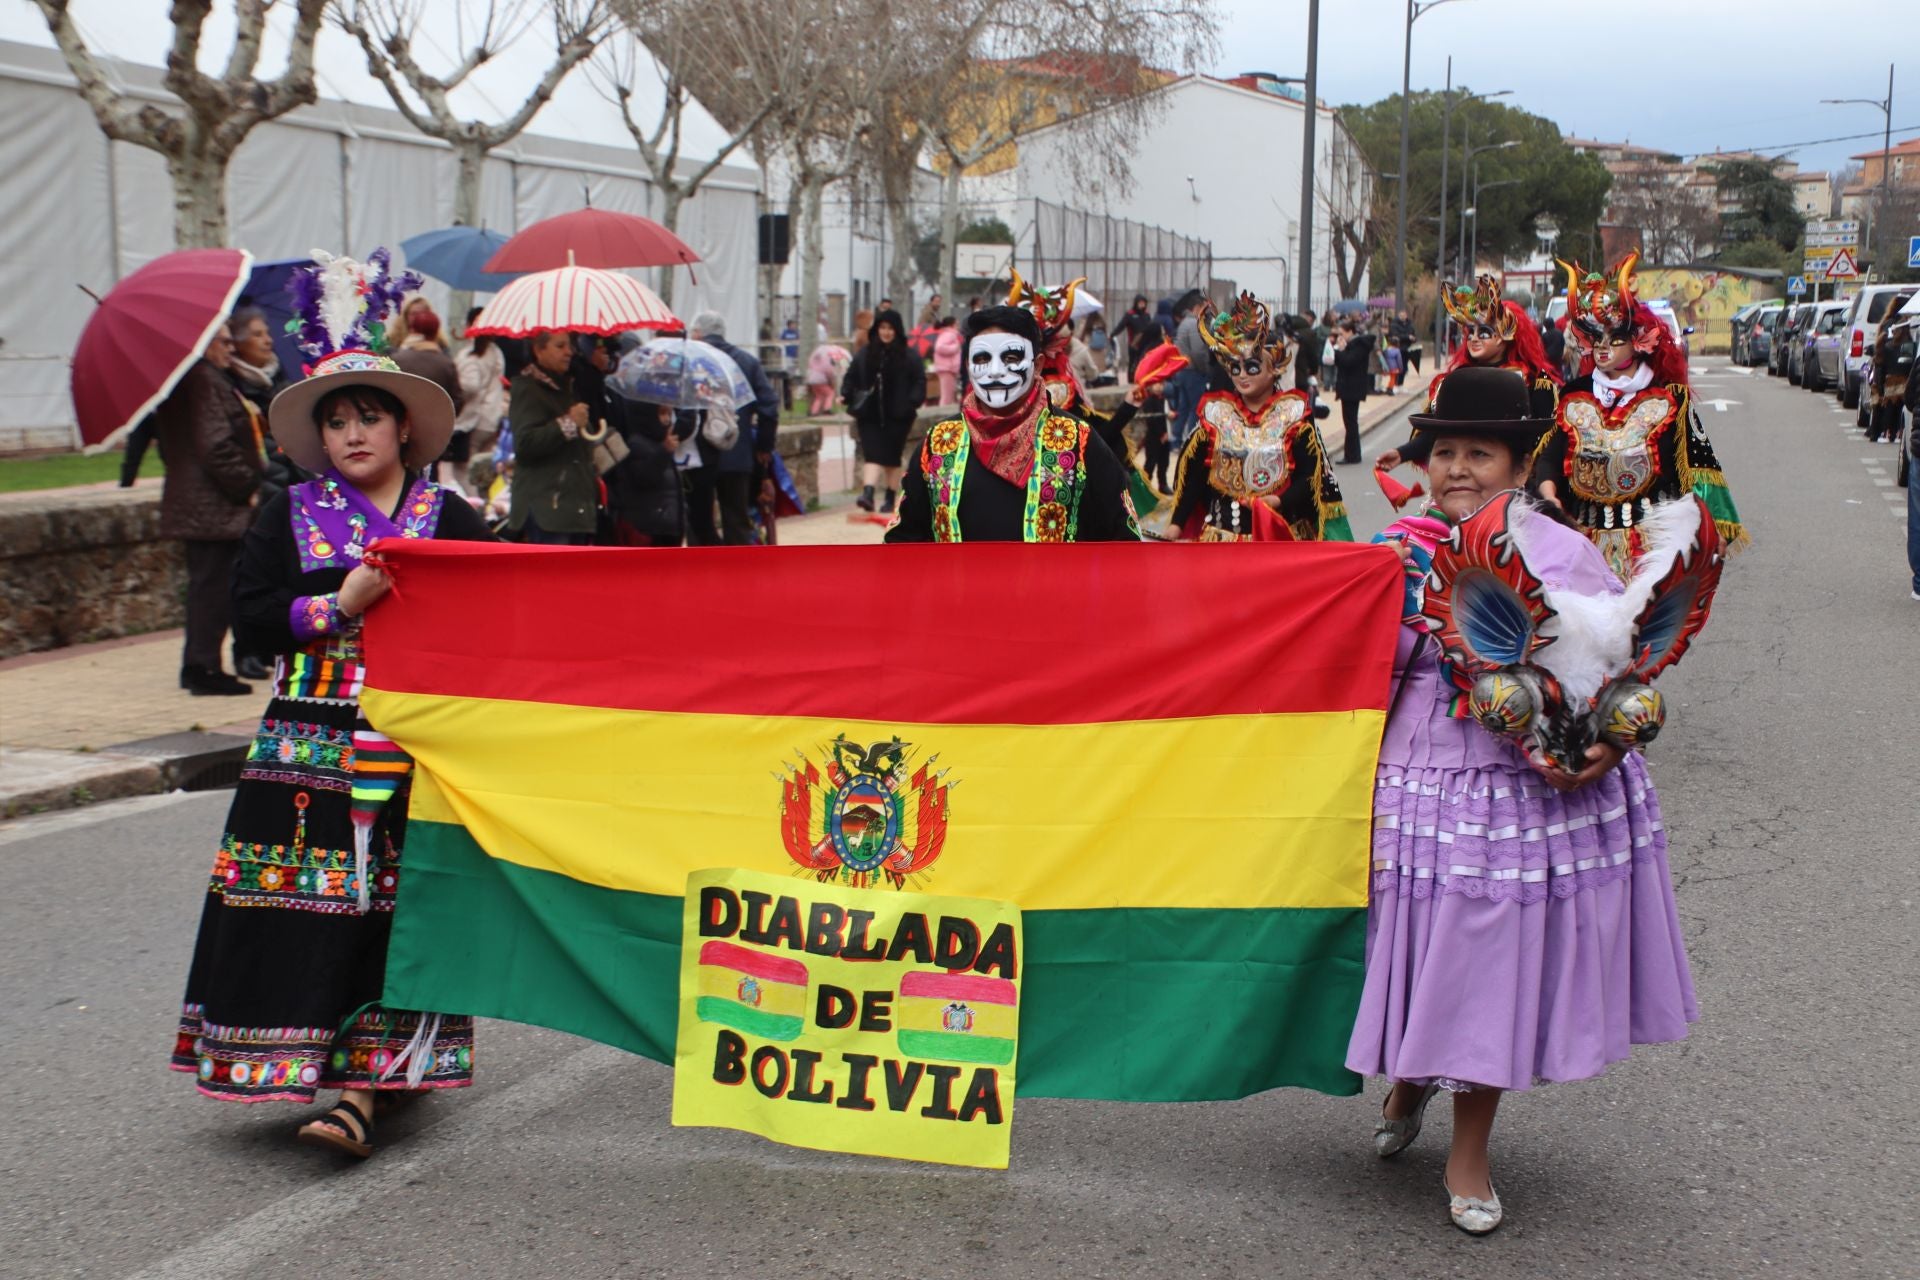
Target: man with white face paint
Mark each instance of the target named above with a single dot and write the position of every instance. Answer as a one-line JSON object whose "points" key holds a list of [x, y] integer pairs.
{"points": [[1010, 468], [1254, 468]]}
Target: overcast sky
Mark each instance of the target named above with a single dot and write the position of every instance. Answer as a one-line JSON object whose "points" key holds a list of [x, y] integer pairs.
{"points": [[1688, 75], [1695, 75]]}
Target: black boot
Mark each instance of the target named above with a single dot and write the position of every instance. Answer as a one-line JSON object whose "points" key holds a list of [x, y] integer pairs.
{"points": [[886, 507], [865, 500], [249, 667], [202, 683]]}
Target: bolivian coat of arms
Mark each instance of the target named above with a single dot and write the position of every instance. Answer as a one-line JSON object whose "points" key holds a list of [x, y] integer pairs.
{"points": [[864, 815]]}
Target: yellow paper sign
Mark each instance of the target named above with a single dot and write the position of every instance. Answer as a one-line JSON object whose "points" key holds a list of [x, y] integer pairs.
{"points": [[870, 1021]]}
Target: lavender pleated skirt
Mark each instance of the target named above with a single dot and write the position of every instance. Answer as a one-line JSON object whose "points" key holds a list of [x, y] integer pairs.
{"points": [[1517, 935]]}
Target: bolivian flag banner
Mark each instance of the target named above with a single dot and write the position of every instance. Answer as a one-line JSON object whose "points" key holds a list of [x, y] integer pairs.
{"points": [[882, 1022], [1163, 756]]}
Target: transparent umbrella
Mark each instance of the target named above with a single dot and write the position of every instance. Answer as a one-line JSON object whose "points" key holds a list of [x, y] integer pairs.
{"points": [[682, 374]]}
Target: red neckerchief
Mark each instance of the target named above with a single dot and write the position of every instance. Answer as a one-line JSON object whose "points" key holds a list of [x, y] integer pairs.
{"points": [[1004, 441]]}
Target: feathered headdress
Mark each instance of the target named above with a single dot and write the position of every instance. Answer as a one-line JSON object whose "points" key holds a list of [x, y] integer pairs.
{"points": [[1604, 307], [1243, 332], [1051, 307], [1483, 304], [342, 305]]}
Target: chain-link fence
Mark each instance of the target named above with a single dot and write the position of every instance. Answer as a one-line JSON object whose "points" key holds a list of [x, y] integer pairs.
{"points": [[1118, 257]]}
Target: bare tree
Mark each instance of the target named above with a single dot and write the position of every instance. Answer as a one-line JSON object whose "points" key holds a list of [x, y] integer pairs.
{"points": [[1360, 213], [215, 114], [386, 30], [1087, 66], [1676, 218]]}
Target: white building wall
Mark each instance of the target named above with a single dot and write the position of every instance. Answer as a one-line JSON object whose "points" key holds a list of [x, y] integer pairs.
{"points": [[1241, 150]]}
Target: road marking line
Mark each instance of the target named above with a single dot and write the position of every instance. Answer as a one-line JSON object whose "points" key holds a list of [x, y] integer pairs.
{"points": [[1885, 480], [470, 1134], [46, 824]]}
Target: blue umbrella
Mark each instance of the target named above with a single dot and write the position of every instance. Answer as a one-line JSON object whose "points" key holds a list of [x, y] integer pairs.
{"points": [[457, 256], [266, 288]]}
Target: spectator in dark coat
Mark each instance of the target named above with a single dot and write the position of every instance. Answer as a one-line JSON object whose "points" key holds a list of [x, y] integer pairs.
{"points": [[556, 491], [643, 490], [1139, 332], [1312, 340], [213, 471], [254, 371], [423, 353], [1183, 399], [1352, 379], [731, 471], [884, 388]]}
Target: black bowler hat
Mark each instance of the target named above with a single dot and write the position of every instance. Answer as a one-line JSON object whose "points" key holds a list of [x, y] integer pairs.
{"points": [[1477, 401]]}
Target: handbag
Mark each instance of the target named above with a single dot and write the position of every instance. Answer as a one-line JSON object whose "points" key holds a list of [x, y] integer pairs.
{"points": [[721, 430], [609, 451]]}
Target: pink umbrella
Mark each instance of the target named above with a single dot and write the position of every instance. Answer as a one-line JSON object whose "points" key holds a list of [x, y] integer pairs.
{"points": [[575, 299], [593, 238], [146, 334]]}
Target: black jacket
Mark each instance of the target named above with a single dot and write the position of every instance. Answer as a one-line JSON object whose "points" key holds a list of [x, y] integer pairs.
{"points": [[1353, 368], [896, 379], [759, 418]]}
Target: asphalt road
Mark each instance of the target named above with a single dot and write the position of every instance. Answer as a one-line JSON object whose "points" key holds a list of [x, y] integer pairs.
{"points": [[1779, 1140]]}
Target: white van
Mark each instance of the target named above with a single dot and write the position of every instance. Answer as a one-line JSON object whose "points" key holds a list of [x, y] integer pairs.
{"points": [[1863, 329]]}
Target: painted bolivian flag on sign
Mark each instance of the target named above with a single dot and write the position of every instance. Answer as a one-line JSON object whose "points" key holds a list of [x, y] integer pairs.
{"points": [[1163, 756]]}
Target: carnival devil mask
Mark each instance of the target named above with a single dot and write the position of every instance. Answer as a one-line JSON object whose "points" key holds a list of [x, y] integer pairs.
{"points": [[1554, 671], [1242, 339], [1602, 309], [1482, 311], [1000, 369], [1052, 308]]}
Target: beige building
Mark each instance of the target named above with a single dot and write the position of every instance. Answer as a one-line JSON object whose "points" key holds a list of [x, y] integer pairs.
{"points": [[1813, 193]]}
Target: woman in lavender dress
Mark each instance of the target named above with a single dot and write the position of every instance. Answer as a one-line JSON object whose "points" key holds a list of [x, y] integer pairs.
{"points": [[1522, 927]]}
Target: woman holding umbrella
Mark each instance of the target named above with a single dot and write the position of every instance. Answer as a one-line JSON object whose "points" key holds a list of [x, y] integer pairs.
{"points": [[883, 390], [283, 997]]}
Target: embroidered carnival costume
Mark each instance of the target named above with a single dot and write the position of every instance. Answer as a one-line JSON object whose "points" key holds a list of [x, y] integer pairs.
{"points": [[1496, 333], [282, 998], [1628, 437], [1518, 934], [1257, 447], [1010, 468]]}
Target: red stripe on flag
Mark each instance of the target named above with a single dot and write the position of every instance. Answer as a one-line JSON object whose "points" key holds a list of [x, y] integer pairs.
{"points": [[988, 633], [954, 986], [757, 963]]}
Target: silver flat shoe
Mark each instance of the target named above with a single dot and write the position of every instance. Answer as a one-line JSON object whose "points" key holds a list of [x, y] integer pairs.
{"points": [[1391, 1137], [1475, 1217]]}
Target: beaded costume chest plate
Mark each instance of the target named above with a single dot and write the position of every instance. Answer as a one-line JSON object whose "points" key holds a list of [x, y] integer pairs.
{"points": [[1250, 459], [1615, 455]]}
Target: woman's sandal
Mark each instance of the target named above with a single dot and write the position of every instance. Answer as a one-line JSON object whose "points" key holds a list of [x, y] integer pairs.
{"points": [[345, 1128]]}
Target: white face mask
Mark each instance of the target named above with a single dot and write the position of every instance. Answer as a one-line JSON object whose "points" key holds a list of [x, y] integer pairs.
{"points": [[1000, 369]]}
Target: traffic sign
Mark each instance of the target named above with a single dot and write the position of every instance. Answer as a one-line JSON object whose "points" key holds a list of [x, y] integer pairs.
{"points": [[1834, 226], [1796, 285], [1843, 266], [1832, 239], [1817, 263], [1913, 252]]}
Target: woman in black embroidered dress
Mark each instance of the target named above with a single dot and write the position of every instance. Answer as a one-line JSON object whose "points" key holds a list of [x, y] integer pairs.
{"points": [[282, 998]]}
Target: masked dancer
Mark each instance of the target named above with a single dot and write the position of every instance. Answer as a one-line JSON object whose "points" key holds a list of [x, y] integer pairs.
{"points": [[1009, 468], [283, 997], [1625, 433], [1254, 467]]}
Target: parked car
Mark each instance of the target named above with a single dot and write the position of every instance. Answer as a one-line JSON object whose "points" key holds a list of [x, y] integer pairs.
{"points": [[1794, 348], [1753, 331], [1820, 366], [1664, 309], [1863, 328], [1784, 335]]}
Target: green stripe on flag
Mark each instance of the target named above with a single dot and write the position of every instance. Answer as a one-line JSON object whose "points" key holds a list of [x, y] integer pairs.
{"points": [[1131, 1004], [993, 1051], [755, 1022]]}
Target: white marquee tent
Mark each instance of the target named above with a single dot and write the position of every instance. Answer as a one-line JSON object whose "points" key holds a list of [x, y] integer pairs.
{"points": [[80, 210]]}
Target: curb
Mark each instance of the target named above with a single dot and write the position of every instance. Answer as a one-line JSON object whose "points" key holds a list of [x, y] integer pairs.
{"points": [[35, 780]]}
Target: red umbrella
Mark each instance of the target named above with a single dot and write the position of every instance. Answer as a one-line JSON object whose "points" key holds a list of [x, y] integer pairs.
{"points": [[146, 334], [592, 238]]}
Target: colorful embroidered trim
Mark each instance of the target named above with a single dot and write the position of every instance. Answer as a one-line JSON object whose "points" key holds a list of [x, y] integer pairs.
{"points": [[380, 767], [1054, 485], [312, 616], [328, 669], [309, 755], [298, 877], [317, 505], [290, 1064]]}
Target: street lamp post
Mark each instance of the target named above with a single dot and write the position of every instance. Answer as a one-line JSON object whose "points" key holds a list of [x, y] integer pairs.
{"points": [[1466, 176], [1886, 147], [1473, 242], [1414, 9], [1310, 115], [1440, 234]]}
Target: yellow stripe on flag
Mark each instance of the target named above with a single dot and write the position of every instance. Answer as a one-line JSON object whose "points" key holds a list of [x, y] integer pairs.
{"points": [[781, 999], [1216, 812], [929, 1015]]}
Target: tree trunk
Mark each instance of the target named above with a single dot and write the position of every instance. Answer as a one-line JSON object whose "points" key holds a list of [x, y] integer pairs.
{"points": [[949, 231], [671, 198], [813, 252], [901, 270], [472, 157], [199, 198]]}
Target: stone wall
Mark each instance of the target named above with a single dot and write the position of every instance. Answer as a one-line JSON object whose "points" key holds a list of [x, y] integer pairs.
{"points": [[78, 565]]}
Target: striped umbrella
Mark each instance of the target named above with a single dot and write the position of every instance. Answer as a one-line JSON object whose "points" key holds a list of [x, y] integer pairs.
{"points": [[575, 299]]}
